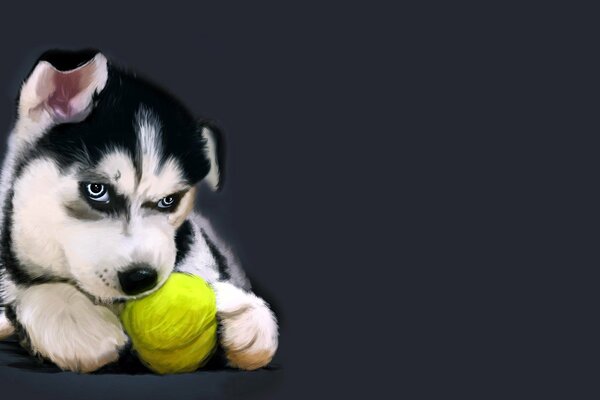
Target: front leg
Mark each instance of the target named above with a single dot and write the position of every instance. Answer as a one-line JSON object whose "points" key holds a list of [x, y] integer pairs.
{"points": [[248, 329], [64, 326]]}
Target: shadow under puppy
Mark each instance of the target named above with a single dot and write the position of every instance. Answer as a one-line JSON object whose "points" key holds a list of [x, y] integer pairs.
{"points": [[97, 196]]}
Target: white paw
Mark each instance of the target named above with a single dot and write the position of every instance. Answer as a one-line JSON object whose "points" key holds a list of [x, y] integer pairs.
{"points": [[248, 330], [6, 328], [65, 327]]}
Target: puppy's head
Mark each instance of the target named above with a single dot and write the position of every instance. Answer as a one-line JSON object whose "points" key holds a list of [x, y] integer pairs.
{"points": [[107, 174]]}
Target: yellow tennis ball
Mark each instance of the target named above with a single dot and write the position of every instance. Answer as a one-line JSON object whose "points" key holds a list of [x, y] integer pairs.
{"points": [[174, 329]]}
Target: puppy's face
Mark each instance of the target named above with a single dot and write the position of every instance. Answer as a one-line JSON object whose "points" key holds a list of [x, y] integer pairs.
{"points": [[98, 198]]}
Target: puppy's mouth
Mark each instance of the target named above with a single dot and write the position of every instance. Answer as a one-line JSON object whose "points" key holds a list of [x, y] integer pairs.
{"points": [[123, 297]]}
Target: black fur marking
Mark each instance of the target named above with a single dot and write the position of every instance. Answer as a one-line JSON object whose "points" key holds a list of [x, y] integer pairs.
{"points": [[113, 125], [221, 260], [65, 60], [183, 241]]}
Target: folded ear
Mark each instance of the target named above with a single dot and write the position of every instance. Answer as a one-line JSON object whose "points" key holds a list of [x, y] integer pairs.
{"points": [[61, 87], [214, 151]]}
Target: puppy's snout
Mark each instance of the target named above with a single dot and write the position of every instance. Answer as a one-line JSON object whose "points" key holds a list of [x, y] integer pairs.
{"points": [[138, 279]]}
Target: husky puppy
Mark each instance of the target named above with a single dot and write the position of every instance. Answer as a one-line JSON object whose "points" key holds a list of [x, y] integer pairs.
{"points": [[97, 196]]}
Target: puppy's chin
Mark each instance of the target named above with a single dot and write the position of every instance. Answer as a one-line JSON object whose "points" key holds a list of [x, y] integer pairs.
{"points": [[121, 298], [102, 295], [103, 298]]}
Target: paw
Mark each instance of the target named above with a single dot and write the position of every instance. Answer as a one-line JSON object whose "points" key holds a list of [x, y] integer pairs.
{"points": [[248, 329], [65, 327], [6, 328]]}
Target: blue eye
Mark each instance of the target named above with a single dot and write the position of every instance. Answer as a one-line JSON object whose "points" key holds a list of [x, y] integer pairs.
{"points": [[166, 202], [98, 192]]}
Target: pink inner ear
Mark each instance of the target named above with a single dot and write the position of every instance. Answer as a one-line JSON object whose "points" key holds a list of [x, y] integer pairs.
{"points": [[66, 87], [71, 93]]}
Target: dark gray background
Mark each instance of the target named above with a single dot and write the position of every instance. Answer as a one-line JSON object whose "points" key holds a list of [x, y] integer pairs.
{"points": [[409, 185], [297, 91]]}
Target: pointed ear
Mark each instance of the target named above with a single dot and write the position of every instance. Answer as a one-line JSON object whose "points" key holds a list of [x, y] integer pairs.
{"points": [[53, 96], [214, 151]]}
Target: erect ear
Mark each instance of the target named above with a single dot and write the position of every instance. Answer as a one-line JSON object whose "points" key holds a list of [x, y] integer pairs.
{"points": [[214, 150], [61, 87]]}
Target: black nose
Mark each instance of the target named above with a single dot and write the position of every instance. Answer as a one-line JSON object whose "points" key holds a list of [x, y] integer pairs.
{"points": [[137, 279]]}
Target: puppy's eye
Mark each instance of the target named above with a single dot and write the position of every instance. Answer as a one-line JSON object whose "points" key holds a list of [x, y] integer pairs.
{"points": [[166, 202], [98, 192]]}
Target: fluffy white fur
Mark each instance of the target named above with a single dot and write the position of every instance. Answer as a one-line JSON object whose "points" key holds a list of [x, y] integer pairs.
{"points": [[67, 328], [248, 327], [39, 216]]}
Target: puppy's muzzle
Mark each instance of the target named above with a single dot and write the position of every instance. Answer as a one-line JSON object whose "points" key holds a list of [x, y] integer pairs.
{"points": [[138, 279]]}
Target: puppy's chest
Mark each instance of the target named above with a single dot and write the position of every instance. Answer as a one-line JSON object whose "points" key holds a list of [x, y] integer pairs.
{"points": [[199, 259]]}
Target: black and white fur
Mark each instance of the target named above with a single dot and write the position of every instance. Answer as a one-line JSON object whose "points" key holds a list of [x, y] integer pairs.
{"points": [[82, 121]]}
